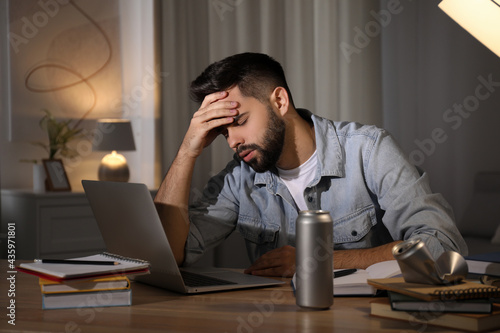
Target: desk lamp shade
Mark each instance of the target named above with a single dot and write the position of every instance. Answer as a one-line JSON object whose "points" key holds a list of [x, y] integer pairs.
{"points": [[481, 18], [113, 135]]}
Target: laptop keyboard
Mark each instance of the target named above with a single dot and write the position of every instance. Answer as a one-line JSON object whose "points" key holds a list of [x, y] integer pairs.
{"points": [[196, 280]]}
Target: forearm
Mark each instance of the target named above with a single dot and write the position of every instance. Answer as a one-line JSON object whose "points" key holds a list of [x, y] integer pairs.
{"points": [[172, 203], [362, 258], [173, 195]]}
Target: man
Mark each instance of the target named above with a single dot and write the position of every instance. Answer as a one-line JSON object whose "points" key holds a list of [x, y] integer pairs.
{"points": [[287, 160]]}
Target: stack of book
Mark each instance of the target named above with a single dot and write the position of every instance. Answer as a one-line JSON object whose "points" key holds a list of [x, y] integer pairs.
{"points": [[93, 281], [98, 292], [466, 306]]}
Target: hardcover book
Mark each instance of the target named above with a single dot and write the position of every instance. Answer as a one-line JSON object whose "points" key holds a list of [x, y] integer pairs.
{"points": [[459, 321]]}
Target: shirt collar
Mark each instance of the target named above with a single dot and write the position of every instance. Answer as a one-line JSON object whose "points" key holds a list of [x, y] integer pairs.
{"points": [[330, 156]]}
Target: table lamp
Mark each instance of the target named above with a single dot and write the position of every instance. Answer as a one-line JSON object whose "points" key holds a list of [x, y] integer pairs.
{"points": [[481, 18], [112, 135]]}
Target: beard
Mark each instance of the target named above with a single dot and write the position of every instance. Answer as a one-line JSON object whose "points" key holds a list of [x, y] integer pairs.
{"points": [[269, 153]]}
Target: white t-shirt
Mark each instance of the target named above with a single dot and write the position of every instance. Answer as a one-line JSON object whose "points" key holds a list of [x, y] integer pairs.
{"points": [[297, 179]]}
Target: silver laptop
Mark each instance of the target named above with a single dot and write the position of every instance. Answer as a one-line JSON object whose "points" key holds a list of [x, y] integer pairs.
{"points": [[130, 226]]}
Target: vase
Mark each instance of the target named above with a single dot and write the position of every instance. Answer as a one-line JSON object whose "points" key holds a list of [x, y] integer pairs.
{"points": [[39, 178]]}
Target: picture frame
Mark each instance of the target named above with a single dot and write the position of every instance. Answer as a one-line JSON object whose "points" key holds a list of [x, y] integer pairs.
{"points": [[57, 180]]}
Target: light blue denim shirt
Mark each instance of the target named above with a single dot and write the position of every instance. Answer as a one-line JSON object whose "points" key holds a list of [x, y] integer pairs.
{"points": [[363, 179]]}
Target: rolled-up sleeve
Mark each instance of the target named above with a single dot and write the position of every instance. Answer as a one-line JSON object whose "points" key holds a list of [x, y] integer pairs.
{"points": [[404, 193]]}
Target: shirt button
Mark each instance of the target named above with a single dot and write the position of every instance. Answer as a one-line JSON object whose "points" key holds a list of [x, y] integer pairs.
{"points": [[354, 233]]}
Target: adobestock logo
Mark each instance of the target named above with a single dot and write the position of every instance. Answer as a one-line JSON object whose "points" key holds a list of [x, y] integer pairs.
{"points": [[31, 26], [454, 116], [265, 309], [223, 6], [372, 29], [139, 92]]}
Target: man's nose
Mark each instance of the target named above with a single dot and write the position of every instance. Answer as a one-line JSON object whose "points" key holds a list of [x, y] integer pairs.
{"points": [[234, 139]]}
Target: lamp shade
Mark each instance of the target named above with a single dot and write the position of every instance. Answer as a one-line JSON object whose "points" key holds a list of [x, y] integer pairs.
{"points": [[481, 18], [113, 134]]}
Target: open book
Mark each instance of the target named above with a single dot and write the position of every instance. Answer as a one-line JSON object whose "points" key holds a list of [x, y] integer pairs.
{"points": [[62, 272], [357, 283]]}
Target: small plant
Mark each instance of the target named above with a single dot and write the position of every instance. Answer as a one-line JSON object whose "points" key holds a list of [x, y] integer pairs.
{"points": [[60, 133]]}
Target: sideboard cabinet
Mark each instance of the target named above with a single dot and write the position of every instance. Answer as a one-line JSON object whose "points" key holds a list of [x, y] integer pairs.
{"points": [[49, 224]]}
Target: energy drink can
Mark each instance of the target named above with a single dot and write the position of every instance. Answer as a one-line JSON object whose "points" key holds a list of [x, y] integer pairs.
{"points": [[314, 259]]}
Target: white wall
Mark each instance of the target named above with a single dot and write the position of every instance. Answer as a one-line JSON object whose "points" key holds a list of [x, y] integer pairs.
{"points": [[138, 77]]}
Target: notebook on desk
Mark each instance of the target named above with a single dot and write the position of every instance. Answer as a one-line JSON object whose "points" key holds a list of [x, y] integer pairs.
{"points": [[130, 226]]}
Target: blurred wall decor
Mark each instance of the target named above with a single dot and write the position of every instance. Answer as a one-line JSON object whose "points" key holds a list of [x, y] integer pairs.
{"points": [[65, 57]]}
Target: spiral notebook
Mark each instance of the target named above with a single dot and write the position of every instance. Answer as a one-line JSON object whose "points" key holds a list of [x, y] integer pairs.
{"points": [[428, 292], [67, 271]]}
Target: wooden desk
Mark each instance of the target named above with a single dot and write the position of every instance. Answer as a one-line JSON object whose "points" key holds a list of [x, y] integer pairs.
{"points": [[156, 310]]}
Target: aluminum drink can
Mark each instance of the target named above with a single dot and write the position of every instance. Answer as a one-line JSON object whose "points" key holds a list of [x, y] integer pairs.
{"points": [[416, 262], [314, 259]]}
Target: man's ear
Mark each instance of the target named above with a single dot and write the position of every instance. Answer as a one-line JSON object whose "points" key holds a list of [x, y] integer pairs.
{"points": [[280, 100]]}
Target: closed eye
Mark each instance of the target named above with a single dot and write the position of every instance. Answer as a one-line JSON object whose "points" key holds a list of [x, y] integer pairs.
{"points": [[241, 119]]}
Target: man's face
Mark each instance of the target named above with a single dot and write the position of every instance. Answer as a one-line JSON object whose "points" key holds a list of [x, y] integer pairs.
{"points": [[257, 134]]}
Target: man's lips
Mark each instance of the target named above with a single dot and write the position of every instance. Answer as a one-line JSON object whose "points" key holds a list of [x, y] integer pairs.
{"points": [[247, 155]]}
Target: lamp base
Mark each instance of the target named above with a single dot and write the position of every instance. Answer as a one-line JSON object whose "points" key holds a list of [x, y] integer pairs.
{"points": [[113, 168]]}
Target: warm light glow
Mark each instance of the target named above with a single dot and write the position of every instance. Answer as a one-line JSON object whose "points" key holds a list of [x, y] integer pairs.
{"points": [[114, 160], [481, 18], [114, 167]]}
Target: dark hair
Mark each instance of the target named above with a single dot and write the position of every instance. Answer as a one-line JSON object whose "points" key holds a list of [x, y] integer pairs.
{"points": [[255, 74]]}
